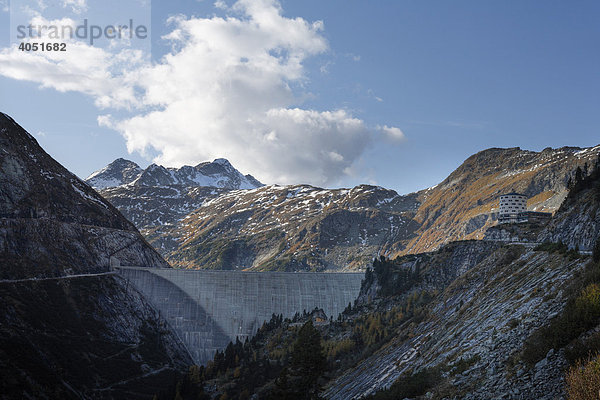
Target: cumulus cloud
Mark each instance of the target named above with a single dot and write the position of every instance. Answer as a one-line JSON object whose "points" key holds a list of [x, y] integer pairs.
{"points": [[105, 76], [228, 88], [392, 132]]}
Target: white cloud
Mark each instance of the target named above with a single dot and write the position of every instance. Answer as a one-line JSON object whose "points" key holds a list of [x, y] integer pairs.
{"points": [[325, 67], [107, 77], [76, 6], [224, 90], [220, 4], [392, 132], [4, 6], [371, 93], [41, 5]]}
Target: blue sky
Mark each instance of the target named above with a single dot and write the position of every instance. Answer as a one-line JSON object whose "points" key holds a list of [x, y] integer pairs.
{"points": [[328, 104]]}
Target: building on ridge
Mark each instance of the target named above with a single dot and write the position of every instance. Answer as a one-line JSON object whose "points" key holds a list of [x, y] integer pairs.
{"points": [[513, 209]]}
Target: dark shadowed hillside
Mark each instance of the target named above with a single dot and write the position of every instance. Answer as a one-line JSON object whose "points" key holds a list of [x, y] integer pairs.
{"points": [[51, 222], [70, 328]]}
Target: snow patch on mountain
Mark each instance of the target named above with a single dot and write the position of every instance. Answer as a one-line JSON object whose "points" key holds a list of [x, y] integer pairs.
{"points": [[219, 174], [117, 173]]}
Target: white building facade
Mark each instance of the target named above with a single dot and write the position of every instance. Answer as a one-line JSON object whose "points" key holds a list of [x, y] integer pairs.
{"points": [[511, 206]]}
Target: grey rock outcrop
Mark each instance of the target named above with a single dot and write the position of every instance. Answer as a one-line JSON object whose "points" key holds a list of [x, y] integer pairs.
{"points": [[51, 222], [483, 317], [577, 222]]}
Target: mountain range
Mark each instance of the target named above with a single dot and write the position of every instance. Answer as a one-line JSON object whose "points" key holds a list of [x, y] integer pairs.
{"points": [[503, 317], [301, 227], [514, 316], [219, 174]]}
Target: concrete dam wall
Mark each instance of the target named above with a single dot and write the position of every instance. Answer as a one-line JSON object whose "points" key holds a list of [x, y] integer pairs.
{"points": [[208, 309]]}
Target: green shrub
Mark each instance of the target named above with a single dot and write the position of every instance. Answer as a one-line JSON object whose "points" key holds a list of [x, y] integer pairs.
{"points": [[551, 247], [582, 348], [464, 364], [587, 305], [335, 348], [579, 316], [410, 386]]}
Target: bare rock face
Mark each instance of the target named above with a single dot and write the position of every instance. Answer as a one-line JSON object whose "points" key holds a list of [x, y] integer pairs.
{"points": [[51, 222], [577, 222], [33, 185]]}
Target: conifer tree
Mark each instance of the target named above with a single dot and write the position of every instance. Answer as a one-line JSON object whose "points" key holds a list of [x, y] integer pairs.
{"points": [[308, 362]]}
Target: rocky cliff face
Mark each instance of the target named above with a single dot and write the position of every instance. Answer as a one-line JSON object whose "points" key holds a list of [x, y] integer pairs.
{"points": [[475, 329], [69, 328], [577, 222], [33, 185], [305, 228], [84, 338], [51, 222]]}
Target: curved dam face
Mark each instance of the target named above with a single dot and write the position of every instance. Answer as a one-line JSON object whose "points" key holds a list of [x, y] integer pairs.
{"points": [[208, 309]]}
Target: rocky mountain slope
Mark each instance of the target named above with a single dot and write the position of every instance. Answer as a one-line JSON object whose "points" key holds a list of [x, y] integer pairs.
{"points": [[463, 205], [289, 227], [475, 319], [83, 338], [156, 198], [475, 328], [507, 326], [577, 222], [70, 328], [117, 173], [51, 222], [300, 227]]}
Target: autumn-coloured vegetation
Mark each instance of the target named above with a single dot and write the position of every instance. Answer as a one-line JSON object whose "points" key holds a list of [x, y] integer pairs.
{"points": [[583, 380]]}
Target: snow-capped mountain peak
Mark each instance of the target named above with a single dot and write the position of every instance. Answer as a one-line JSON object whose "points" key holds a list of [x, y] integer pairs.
{"points": [[117, 173], [222, 161], [219, 173]]}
